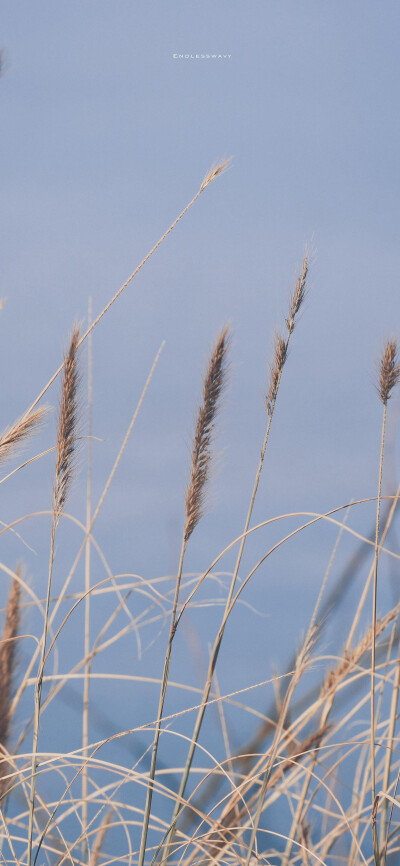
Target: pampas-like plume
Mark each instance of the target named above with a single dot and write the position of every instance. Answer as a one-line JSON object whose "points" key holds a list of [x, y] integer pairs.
{"points": [[389, 371], [66, 439], [7, 662], [13, 437], [216, 169], [298, 297], [281, 345], [201, 454]]}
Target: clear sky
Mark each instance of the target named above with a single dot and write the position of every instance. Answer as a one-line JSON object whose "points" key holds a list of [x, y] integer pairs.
{"points": [[105, 137]]}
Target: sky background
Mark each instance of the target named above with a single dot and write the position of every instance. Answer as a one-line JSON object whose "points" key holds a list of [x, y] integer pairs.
{"points": [[105, 138]]}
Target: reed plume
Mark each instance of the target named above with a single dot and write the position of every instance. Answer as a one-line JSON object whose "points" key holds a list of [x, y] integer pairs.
{"points": [[216, 169], [7, 664], [389, 371], [280, 353], [282, 344], [297, 297], [66, 446], [201, 454], [14, 435], [66, 439]]}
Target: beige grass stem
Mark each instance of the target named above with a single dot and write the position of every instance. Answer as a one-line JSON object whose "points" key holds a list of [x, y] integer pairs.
{"points": [[86, 683], [100, 836], [201, 458]]}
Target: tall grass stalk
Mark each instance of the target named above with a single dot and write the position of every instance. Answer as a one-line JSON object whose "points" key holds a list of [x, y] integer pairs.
{"points": [[388, 378], [66, 445], [201, 457], [86, 650], [276, 370]]}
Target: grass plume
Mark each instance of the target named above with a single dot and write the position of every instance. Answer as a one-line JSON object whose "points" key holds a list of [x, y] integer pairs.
{"points": [[201, 454], [216, 169], [68, 415], [389, 371]]}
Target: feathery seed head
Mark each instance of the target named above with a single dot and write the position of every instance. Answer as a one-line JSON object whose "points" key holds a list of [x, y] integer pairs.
{"points": [[216, 169], [14, 436], [389, 371], [297, 297], [68, 416], [201, 454], [280, 354]]}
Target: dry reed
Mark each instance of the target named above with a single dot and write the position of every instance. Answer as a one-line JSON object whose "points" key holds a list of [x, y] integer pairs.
{"points": [[67, 426], [7, 665], [66, 445], [201, 458]]}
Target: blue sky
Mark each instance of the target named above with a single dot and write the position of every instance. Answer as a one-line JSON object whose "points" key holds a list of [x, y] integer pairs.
{"points": [[105, 138]]}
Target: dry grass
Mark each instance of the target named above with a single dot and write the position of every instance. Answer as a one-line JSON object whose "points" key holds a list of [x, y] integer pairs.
{"points": [[7, 664], [301, 768], [201, 454]]}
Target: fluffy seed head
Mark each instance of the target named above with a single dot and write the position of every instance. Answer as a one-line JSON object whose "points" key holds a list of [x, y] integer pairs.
{"points": [[201, 454], [216, 169], [280, 354], [389, 371], [66, 439], [297, 297], [14, 436]]}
